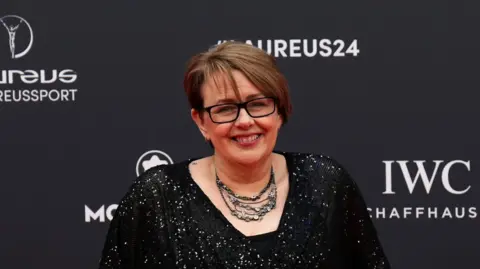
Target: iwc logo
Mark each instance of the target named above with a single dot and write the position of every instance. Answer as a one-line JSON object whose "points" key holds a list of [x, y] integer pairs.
{"points": [[151, 159], [20, 35]]}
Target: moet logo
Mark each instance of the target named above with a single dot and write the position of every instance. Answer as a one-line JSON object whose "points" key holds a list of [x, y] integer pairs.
{"points": [[101, 214], [441, 171]]}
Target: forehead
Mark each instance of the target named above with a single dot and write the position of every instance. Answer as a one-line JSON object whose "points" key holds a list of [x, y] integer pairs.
{"points": [[220, 86]]}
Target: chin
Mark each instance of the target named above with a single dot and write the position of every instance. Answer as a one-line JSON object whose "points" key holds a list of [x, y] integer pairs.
{"points": [[249, 155], [247, 158]]}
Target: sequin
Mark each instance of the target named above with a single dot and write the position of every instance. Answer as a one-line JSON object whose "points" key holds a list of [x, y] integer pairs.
{"points": [[165, 221]]}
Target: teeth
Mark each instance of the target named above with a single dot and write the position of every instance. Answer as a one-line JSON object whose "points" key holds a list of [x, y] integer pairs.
{"points": [[247, 139]]}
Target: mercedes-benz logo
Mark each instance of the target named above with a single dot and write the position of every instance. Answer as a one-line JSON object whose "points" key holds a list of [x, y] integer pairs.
{"points": [[13, 23]]}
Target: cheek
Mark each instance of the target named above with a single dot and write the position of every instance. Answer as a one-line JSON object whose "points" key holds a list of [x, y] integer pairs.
{"points": [[268, 124], [221, 130]]}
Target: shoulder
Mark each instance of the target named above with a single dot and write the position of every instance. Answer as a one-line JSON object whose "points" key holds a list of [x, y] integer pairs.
{"points": [[319, 167], [163, 174], [153, 183], [323, 172], [316, 162]]}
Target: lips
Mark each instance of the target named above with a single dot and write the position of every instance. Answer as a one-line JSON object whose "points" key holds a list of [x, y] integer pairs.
{"points": [[245, 139]]}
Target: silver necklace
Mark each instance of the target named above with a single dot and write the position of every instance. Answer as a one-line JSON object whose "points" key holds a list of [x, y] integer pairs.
{"points": [[249, 208]]}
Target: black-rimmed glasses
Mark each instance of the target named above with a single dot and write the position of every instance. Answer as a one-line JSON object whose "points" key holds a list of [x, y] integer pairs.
{"points": [[256, 108]]}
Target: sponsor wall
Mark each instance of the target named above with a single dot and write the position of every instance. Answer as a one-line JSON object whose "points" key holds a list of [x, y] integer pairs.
{"points": [[91, 96]]}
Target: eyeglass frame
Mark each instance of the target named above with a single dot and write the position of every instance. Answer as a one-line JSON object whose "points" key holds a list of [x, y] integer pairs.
{"points": [[239, 107]]}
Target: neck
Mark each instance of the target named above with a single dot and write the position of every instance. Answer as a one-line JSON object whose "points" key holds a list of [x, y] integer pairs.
{"points": [[243, 179]]}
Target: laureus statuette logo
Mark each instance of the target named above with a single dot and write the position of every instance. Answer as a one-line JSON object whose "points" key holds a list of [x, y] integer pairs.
{"points": [[14, 24]]}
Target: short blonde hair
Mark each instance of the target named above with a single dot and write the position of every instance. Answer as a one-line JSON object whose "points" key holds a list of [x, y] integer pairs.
{"points": [[256, 65]]}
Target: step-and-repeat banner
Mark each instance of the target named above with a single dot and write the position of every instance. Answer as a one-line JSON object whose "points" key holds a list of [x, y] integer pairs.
{"points": [[91, 96]]}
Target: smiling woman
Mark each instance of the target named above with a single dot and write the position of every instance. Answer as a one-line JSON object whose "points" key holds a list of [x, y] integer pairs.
{"points": [[247, 205], [236, 120]]}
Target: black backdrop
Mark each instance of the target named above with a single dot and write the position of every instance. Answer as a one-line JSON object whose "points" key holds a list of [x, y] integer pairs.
{"points": [[390, 85]]}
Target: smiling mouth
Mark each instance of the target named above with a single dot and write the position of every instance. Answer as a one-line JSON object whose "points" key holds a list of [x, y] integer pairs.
{"points": [[246, 139]]}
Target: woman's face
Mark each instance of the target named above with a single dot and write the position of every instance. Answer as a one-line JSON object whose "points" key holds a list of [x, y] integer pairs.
{"points": [[245, 140]]}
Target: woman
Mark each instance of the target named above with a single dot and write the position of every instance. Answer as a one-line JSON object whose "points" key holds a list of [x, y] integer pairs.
{"points": [[246, 206]]}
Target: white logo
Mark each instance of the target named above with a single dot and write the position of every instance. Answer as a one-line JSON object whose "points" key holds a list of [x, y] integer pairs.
{"points": [[151, 159], [414, 174], [101, 214], [422, 174], [66, 76], [13, 24], [297, 48], [32, 85]]}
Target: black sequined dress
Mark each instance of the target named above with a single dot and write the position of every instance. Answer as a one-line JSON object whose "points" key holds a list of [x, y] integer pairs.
{"points": [[166, 221]]}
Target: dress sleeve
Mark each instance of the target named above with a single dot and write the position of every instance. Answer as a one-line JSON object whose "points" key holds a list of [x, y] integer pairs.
{"points": [[137, 234], [360, 232]]}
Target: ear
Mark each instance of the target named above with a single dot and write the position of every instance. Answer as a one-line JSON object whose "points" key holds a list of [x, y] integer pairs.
{"points": [[197, 118]]}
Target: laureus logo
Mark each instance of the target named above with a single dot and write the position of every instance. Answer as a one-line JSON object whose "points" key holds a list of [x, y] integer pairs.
{"points": [[18, 30]]}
